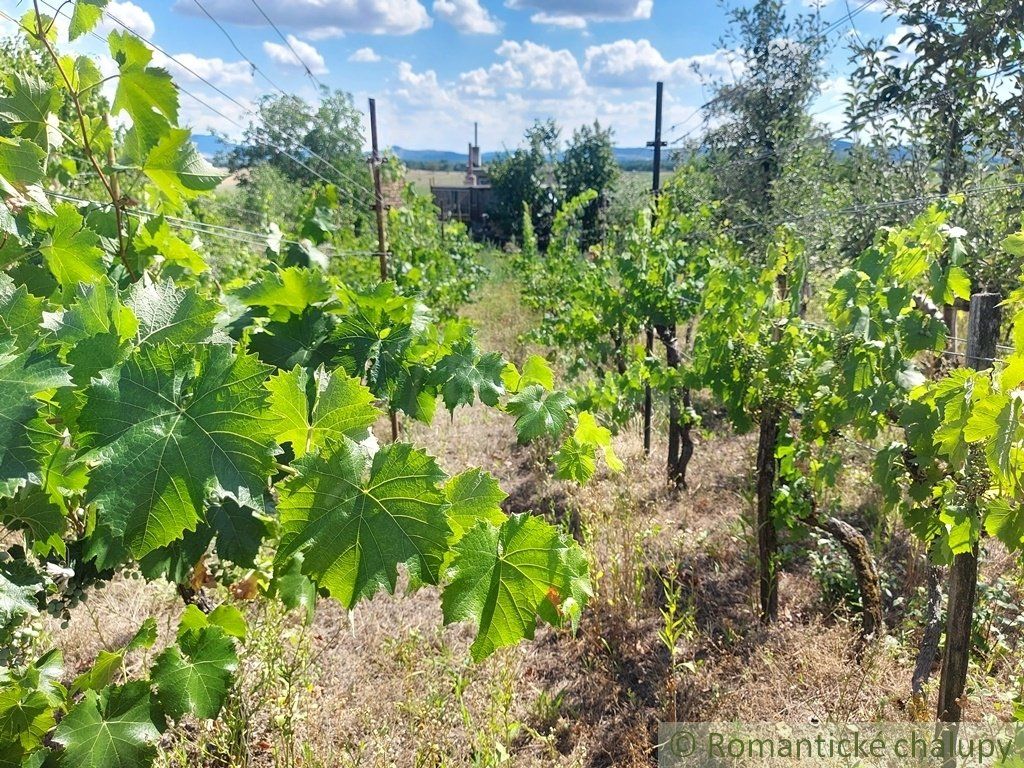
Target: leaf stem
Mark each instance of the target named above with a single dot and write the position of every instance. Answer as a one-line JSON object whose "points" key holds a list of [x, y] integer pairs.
{"points": [[110, 185]]}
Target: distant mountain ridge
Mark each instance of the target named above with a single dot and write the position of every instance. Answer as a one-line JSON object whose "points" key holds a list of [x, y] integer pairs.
{"points": [[627, 157]]}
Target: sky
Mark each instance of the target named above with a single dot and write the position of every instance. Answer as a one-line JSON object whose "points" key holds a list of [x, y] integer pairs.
{"points": [[437, 66]]}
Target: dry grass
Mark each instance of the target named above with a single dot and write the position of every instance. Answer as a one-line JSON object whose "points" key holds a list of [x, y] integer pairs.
{"points": [[387, 686]]}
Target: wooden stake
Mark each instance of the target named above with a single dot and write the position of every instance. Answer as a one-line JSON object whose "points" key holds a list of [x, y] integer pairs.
{"points": [[982, 339]]}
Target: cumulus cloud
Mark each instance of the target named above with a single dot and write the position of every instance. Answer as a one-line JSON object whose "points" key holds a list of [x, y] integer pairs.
{"points": [[637, 63], [578, 12], [318, 19], [467, 16], [565, 22], [304, 55], [527, 65], [129, 14], [365, 56], [215, 70]]}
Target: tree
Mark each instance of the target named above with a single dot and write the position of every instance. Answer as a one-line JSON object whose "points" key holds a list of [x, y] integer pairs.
{"points": [[764, 148], [589, 163], [952, 84], [323, 140], [524, 178]]}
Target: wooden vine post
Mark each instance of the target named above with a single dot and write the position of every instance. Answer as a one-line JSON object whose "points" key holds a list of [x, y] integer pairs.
{"points": [[982, 338], [382, 235]]}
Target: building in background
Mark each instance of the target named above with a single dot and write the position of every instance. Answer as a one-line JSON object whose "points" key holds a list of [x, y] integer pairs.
{"points": [[469, 202]]}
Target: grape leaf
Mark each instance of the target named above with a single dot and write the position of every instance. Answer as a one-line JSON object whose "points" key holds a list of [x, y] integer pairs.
{"points": [[239, 532], [21, 162], [1005, 521], [146, 93], [286, 292], [168, 313], [193, 676], [114, 728], [93, 331], [575, 460], [464, 375], [996, 422], [23, 376], [164, 442], [342, 407], [86, 15], [19, 585], [473, 495], [177, 169], [500, 577], [539, 413], [31, 107], [42, 520], [71, 252], [20, 311], [355, 531]]}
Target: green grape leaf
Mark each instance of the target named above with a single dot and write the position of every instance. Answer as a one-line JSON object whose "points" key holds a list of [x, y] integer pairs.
{"points": [[996, 422], [473, 495], [1005, 521], [31, 108], [101, 673], [464, 375], [589, 432], [342, 407], [86, 15], [165, 442], [177, 169], [113, 728], [292, 586], [146, 93], [154, 239], [168, 313], [34, 512], [539, 413], [286, 292], [19, 585], [22, 377], [21, 162], [499, 579], [20, 311], [575, 460], [536, 370], [354, 530], [1014, 244], [93, 331], [302, 340], [71, 251], [25, 718], [193, 676]]}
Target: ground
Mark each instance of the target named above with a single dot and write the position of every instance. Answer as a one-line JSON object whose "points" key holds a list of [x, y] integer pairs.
{"points": [[672, 631]]}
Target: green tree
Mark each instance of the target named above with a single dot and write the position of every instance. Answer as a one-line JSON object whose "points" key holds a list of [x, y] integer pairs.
{"points": [[589, 163], [524, 178], [329, 134]]}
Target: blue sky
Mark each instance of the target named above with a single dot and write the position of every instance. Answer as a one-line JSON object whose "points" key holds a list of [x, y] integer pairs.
{"points": [[436, 66]]}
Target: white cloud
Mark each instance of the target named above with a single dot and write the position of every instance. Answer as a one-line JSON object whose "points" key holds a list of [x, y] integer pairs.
{"points": [[129, 14], [365, 56], [215, 70], [528, 66], [637, 63], [577, 11], [565, 22], [303, 56], [318, 19], [467, 16]]}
